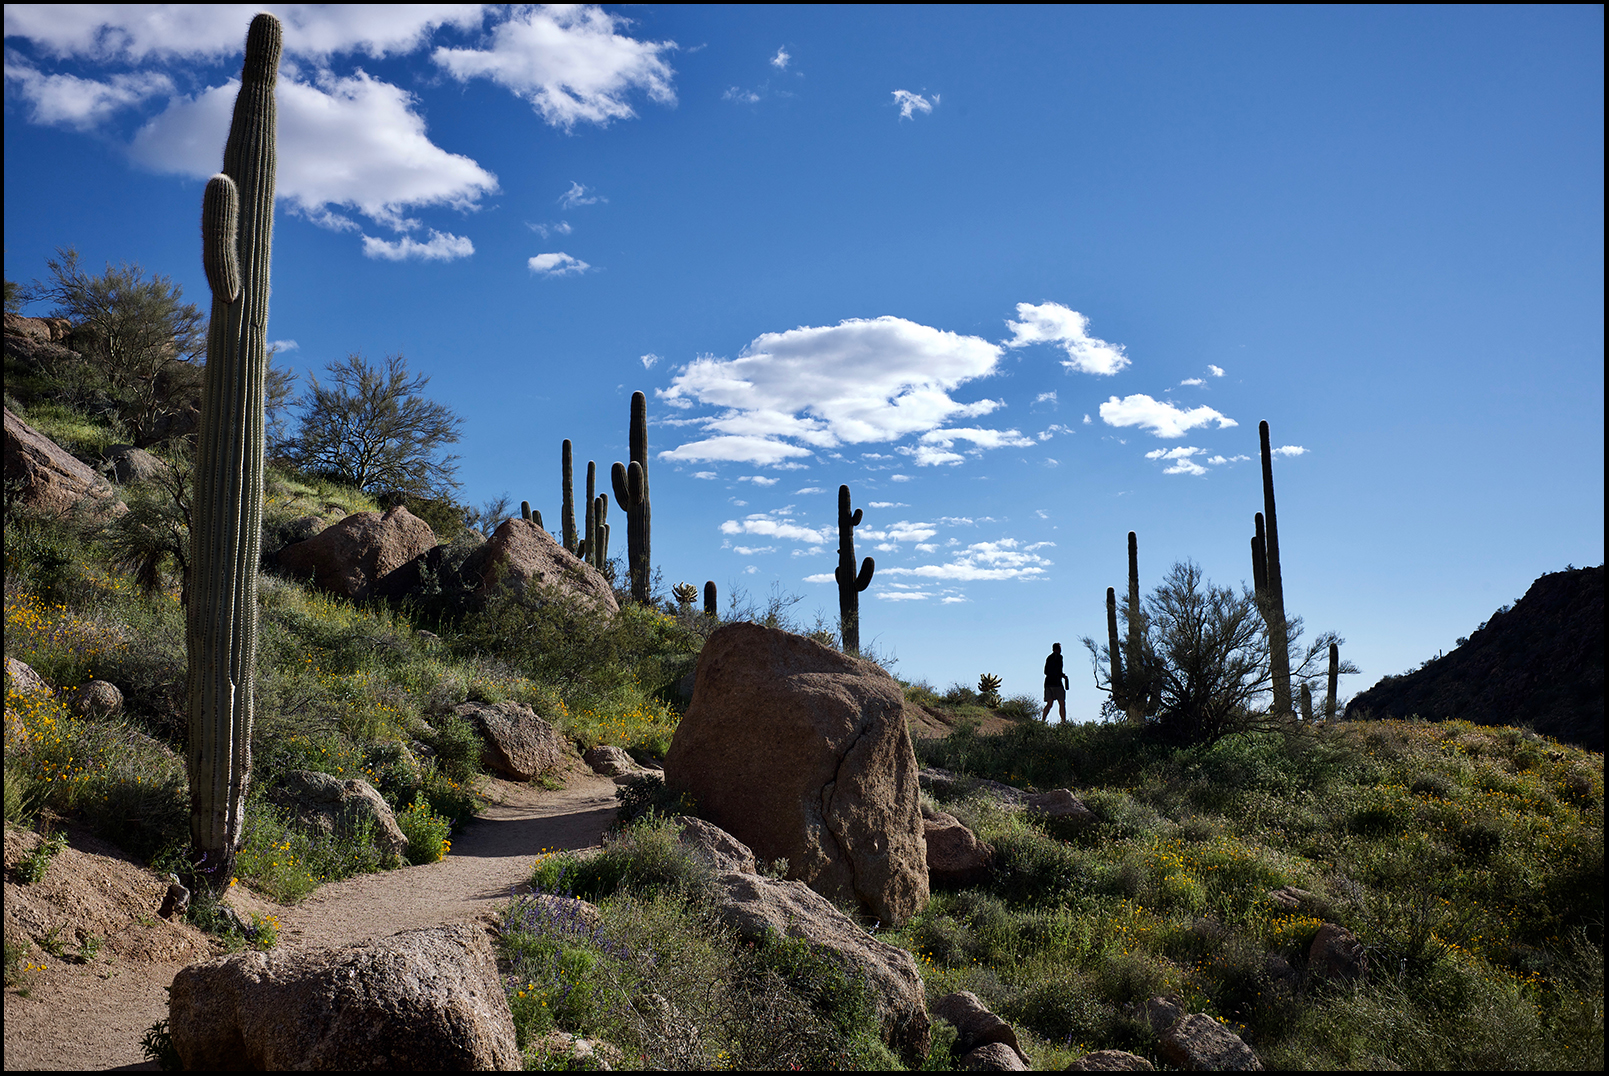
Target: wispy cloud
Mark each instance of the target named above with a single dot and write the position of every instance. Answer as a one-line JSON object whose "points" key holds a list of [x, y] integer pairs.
{"points": [[570, 63], [911, 103], [1215, 371], [439, 247], [766, 526], [545, 230], [780, 60], [557, 264], [1158, 416], [1053, 323], [579, 195], [1182, 463], [79, 103], [1290, 450], [1192, 381]]}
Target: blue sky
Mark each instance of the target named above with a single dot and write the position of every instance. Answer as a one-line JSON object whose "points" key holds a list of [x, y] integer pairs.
{"points": [[1024, 278]]}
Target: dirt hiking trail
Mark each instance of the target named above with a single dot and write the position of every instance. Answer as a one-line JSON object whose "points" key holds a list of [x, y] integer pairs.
{"points": [[91, 1014]]}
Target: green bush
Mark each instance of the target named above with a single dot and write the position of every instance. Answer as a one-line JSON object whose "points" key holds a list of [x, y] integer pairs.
{"points": [[426, 831]]}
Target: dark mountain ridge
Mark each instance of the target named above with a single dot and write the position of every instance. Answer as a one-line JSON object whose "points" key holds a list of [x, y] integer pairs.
{"points": [[1539, 663]]}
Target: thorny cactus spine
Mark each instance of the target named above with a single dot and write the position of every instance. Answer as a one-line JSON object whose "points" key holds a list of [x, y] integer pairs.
{"points": [[849, 584], [1273, 588], [631, 493], [221, 616], [709, 598], [567, 513]]}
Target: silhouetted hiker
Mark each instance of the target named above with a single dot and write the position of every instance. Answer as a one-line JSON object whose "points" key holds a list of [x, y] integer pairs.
{"points": [[1056, 684]]}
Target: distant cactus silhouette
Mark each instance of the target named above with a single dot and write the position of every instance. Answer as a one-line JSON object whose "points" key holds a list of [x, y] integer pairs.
{"points": [[709, 598], [1307, 704], [1270, 587], [525, 510], [1113, 650], [631, 493], [1335, 675], [1133, 701], [849, 584], [989, 690], [237, 224], [567, 512]]}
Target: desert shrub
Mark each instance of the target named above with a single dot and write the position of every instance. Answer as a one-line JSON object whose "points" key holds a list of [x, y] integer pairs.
{"points": [[644, 858], [426, 832], [287, 862], [647, 796], [458, 749]]}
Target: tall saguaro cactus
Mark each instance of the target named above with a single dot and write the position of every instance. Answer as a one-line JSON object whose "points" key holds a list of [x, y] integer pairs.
{"points": [[709, 598], [1335, 676], [631, 493], [1134, 701], [849, 584], [1114, 652], [1270, 587], [237, 223], [567, 513]]}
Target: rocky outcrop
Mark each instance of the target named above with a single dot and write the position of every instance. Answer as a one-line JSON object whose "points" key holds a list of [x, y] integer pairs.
{"points": [[50, 480], [334, 805], [992, 1057], [1336, 955], [755, 906], [1538, 664], [98, 699], [128, 466], [1111, 1061], [359, 557], [716, 847], [1060, 807], [802, 753], [955, 856], [610, 761], [524, 557], [424, 1000], [1195, 1041], [516, 742], [977, 1027]]}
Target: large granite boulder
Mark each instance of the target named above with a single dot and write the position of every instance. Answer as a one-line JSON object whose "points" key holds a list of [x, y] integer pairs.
{"points": [[755, 906], [802, 753], [358, 557], [975, 1027], [516, 742], [50, 479], [423, 1000], [336, 805], [525, 557], [955, 856]]}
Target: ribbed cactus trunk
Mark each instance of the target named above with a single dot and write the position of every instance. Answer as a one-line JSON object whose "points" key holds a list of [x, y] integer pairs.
{"points": [[709, 598], [1335, 676], [850, 584], [1307, 704], [1271, 589], [600, 517], [631, 493], [1113, 650], [1137, 686], [567, 513], [221, 615]]}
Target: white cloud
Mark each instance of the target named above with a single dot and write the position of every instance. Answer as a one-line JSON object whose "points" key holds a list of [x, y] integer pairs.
{"points": [[1053, 323], [283, 345], [810, 489], [578, 195], [544, 230], [138, 33], [438, 248], [1087, 420], [557, 264], [1192, 381], [751, 570], [899, 478], [1181, 457], [703, 474], [928, 456], [1290, 450], [981, 561], [741, 96], [903, 531], [981, 438], [910, 103], [1160, 417], [570, 63], [780, 60], [759, 479], [1215, 371], [887, 504], [79, 103], [1046, 397], [862, 380], [777, 528], [926, 547], [902, 595], [753, 551], [354, 143], [649, 360]]}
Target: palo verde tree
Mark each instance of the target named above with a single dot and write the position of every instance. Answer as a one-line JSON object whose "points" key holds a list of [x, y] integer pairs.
{"points": [[237, 222], [372, 427]]}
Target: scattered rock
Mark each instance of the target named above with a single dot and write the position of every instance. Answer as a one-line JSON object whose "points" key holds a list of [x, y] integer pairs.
{"points": [[715, 846], [50, 479], [129, 466], [302, 528], [976, 1026], [1060, 805], [517, 743], [1161, 1013], [993, 1057], [753, 905], [1111, 1061], [1291, 898], [560, 1049], [609, 761], [801, 752], [524, 556], [38, 330], [428, 1000], [1199, 1043], [1336, 955], [951, 786], [98, 698], [24, 679], [357, 557], [955, 856], [336, 805]]}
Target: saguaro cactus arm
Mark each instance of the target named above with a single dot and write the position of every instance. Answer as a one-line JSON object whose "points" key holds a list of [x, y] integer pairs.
{"points": [[221, 614], [709, 598]]}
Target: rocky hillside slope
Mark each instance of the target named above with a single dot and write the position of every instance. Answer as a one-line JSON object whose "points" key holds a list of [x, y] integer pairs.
{"points": [[1539, 663]]}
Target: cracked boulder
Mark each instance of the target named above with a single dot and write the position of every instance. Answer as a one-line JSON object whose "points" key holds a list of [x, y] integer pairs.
{"points": [[801, 752]]}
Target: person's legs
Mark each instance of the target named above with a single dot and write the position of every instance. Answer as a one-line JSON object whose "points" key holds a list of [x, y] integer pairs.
{"points": [[1045, 715], [1061, 704]]}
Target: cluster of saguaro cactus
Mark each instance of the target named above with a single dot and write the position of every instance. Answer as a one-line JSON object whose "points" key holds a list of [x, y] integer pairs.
{"points": [[1269, 587], [1133, 674], [531, 515], [989, 690], [849, 583], [709, 598], [631, 493], [237, 221]]}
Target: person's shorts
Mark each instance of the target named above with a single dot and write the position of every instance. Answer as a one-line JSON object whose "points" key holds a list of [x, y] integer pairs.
{"points": [[1054, 692]]}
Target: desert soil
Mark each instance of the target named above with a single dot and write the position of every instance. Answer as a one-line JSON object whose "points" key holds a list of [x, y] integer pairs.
{"points": [[91, 1014]]}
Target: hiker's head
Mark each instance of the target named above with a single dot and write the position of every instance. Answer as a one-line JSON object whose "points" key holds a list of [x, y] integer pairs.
{"points": [[1055, 648]]}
